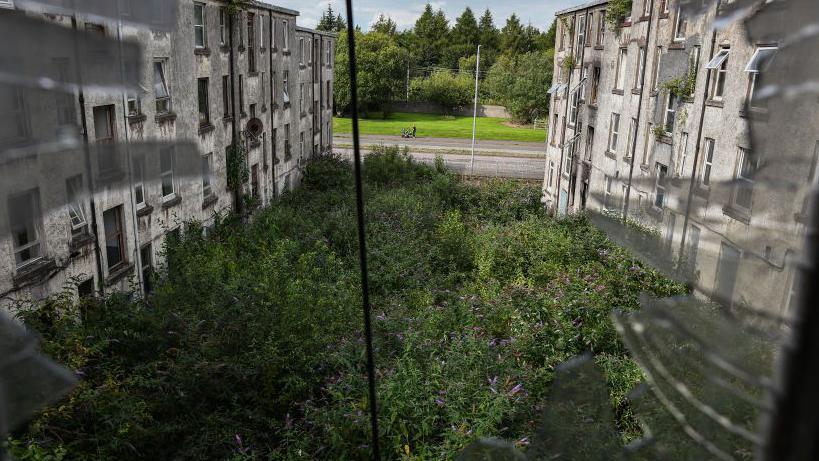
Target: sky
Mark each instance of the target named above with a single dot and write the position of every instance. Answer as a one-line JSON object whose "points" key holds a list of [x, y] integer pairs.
{"points": [[540, 13]]}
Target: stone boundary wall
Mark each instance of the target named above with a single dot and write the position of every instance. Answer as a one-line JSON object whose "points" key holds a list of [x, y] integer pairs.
{"points": [[433, 108]]}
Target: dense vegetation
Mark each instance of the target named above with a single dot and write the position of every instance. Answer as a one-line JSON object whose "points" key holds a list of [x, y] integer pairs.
{"points": [[251, 347], [439, 60]]}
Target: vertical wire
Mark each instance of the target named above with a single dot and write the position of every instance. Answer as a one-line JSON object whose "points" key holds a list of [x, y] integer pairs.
{"points": [[362, 240]]}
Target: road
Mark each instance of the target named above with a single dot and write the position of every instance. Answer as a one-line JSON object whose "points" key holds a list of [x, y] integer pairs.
{"points": [[506, 159]]}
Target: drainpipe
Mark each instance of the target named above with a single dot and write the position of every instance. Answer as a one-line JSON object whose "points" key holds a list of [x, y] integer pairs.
{"points": [[697, 150], [581, 82], [237, 196], [563, 130], [633, 147], [87, 155], [270, 87]]}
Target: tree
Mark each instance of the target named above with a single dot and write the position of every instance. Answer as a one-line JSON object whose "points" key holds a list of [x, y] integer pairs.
{"points": [[520, 83], [550, 35], [488, 34], [465, 30], [430, 37], [444, 88], [513, 37], [384, 24], [341, 24], [327, 22], [381, 71]]}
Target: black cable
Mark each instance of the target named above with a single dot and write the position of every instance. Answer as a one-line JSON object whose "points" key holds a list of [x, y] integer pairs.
{"points": [[362, 248]]}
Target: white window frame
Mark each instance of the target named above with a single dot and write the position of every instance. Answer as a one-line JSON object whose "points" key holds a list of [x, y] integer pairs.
{"points": [[581, 35], [719, 64], [607, 187], [200, 26], [285, 85], [682, 154], [620, 77], [207, 175], [35, 246], [655, 78], [301, 51], [138, 175], [161, 78], [286, 35], [76, 207], [707, 161], [632, 132], [670, 114], [641, 63], [659, 185], [743, 181], [680, 25], [223, 26], [167, 165], [759, 62], [614, 132], [551, 175]]}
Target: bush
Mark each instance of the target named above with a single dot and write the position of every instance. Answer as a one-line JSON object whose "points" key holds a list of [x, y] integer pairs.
{"points": [[444, 88], [251, 348]]}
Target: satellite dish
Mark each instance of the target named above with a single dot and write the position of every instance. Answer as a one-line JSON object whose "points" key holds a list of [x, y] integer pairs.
{"points": [[254, 126]]}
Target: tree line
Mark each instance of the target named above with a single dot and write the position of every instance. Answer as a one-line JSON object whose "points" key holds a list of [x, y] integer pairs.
{"points": [[435, 61]]}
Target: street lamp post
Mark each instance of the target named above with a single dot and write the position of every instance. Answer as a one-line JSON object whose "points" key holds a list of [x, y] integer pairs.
{"points": [[475, 110]]}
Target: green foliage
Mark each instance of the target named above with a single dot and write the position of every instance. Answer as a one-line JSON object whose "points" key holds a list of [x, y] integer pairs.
{"points": [[251, 346], [568, 62], [518, 83], [616, 12], [443, 87], [682, 87], [659, 131], [237, 173], [330, 22], [384, 25]]}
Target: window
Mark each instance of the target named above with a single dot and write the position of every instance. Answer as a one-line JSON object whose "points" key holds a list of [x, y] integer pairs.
{"points": [[327, 52], [166, 163], [330, 54], [595, 84], [301, 98], [287, 152], [567, 161], [680, 25], [273, 86], [744, 185], [584, 76], [670, 112], [607, 191], [624, 191], [274, 141], [301, 51], [139, 178], [614, 128], [659, 185], [692, 248], [114, 238], [199, 25], [146, 260], [655, 70], [589, 25], [285, 87], [632, 133], [329, 95], [581, 35], [646, 143], [573, 108], [720, 66], [241, 95], [694, 62], [132, 104], [76, 209], [24, 220], [253, 111], [251, 46], [553, 129], [226, 96], [161, 93], [646, 8], [601, 27], [682, 154], [254, 181], [301, 144], [207, 178], [223, 26], [551, 175], [664, 6], [104, 124], [263, 82], [273, 35], [589, 143], [621, 69], [669, 232], [641, 63], [760, 61], [286, 35], [728, 266], [707, 162], [204, 110]]}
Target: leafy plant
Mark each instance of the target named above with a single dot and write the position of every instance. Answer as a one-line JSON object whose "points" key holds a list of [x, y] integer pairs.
{"points": [[616, 12], [237, 173], [682, 87], [569, 62], [659, 131]]}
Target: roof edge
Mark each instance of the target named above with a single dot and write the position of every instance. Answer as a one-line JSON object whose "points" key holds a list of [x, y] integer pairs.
{"points": [[316, 31], [583, 6], [272, 7]]}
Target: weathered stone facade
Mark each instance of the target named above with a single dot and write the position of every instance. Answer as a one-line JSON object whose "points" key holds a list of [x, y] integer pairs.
{"points": [[680, 150], [214, 78]]}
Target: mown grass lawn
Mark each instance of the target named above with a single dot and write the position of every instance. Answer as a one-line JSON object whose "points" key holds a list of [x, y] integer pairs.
{"points": [[441, 126]]}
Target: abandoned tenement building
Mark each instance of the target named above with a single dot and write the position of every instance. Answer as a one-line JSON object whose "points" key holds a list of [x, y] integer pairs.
{"points": [[216, 75], [653, 120]]}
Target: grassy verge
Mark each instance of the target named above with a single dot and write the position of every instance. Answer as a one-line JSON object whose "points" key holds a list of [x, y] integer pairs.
{"points": [[441, 126], [251, 347]]}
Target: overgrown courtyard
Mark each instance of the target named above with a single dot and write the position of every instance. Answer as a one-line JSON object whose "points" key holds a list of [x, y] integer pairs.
{"points": [[252, 348]]}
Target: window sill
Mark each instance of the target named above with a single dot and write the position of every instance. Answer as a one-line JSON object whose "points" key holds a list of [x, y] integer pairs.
{"points": [[118, 272], [201, 51], [610, 154], [35, 272], [224, 48], [688, 100], [286, 105], [592, 105], [285, 52], [209, 201], [171, 201], [144, 210], [617, 91], [676, 45], [645, 167], [627, 23], [735, 213], [598, 47], [715, 103], [166, 117], [637, 91], [664, 15], [644, 18], [253, 73], [206, 128], [302, 66], [254, 144], [262, 50], [754, 113], [227, 119], [137, 118], [665, 138]]}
